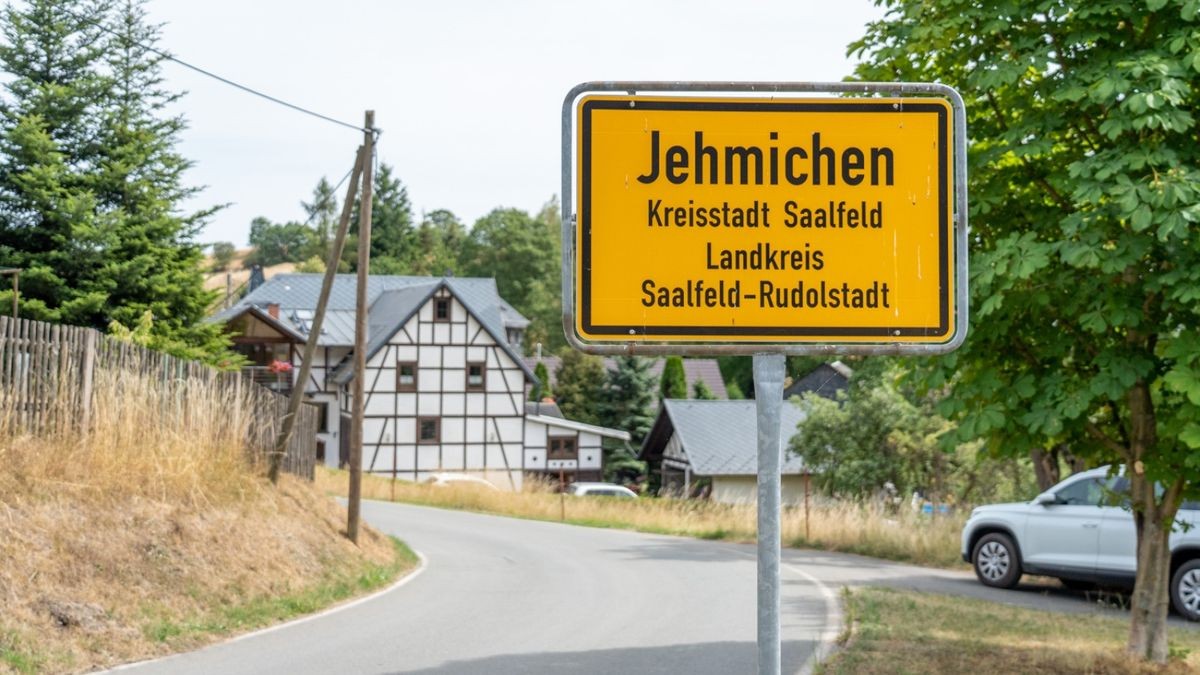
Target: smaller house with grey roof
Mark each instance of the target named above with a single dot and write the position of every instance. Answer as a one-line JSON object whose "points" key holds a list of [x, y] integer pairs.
{"points": [[445, 381], [710, 448]]}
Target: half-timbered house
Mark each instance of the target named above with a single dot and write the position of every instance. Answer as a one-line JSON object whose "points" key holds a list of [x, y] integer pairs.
{"points": [[445, 381]]}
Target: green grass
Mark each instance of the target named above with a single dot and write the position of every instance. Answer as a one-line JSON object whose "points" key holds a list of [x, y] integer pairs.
{"points": [[16, 657], [262, 611], [892, 631]]}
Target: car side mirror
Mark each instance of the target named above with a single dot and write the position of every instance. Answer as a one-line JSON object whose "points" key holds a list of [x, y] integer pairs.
{"points": [[1046, 499]]}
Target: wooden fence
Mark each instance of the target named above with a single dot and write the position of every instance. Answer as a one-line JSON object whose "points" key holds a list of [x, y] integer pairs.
{"points": [[50, 376]]}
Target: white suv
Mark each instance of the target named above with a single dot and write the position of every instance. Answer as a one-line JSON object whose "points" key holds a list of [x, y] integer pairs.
{"points": [[1082, 532]]}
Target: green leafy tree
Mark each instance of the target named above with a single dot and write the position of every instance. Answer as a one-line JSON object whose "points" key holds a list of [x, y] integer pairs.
{"points": [[222, 253], [314, 265], [276, 243], [871, 437], [440, 237], [1085, 263], [673, 383], [876, 434], [579, 387], [540, 390], [523, 255]]}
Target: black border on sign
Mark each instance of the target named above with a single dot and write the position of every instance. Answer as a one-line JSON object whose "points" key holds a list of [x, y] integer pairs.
{"points": [[844, 106]]}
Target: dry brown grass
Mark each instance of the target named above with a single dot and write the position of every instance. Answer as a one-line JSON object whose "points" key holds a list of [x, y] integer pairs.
{"points": [[848, 527], [155, 533]]}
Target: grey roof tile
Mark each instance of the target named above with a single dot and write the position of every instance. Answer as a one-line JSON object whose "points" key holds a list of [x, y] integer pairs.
{"points": [[721, 437], [391, 299]]}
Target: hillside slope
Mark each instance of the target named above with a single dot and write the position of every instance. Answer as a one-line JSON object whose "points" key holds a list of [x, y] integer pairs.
{"points": [[155, 532]]}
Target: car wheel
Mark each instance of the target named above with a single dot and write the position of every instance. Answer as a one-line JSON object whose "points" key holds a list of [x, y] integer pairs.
{"points": [[1185, 590], [996, 561]]}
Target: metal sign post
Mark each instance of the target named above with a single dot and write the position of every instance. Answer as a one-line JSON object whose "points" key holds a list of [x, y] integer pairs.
{"points": [[768, 399], [764, 219]]}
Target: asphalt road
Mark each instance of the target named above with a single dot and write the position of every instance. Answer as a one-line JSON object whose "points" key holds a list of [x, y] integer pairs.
{"points": [[501, 595]]}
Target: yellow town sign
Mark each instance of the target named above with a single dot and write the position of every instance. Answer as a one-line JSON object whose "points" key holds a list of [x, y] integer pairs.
{"points": [[755, 220]]}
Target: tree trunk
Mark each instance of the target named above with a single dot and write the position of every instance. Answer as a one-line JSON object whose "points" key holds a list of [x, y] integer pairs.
{"points": [[1148, 613], [1153, 517], [1045, 467], [1076, 464]]}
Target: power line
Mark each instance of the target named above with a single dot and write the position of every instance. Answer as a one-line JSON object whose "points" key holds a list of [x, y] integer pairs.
{"points": [[225, 80]]}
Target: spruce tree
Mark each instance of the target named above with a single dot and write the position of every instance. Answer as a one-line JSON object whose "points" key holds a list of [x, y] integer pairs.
{"points": [[580, 386], [50, 228], [674, 381], [628, 395], [322, 214], [154, 263], [90, 182]]}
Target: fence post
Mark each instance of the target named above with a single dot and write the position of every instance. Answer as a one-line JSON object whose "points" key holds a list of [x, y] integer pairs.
{"points": [[86, 379]]}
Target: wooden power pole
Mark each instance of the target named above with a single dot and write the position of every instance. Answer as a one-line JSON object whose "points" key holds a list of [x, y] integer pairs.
{"points": [[314, 330], [360, 331]]}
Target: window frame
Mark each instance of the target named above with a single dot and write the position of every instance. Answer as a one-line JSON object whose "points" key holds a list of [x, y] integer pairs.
{"points": [[482, 386], [437, 430], [438, 303], [400, 386], [560, 453]]}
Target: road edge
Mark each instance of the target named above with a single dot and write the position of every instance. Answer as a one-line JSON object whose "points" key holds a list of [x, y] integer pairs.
{"points": [[422, 563], [827, 641]]}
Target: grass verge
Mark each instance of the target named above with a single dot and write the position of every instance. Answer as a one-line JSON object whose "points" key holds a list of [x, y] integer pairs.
{"points": [[851, 528], [263, 611], [897, 632]]}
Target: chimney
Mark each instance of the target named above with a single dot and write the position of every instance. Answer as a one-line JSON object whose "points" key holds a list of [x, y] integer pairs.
{"points": [[273, 310]]}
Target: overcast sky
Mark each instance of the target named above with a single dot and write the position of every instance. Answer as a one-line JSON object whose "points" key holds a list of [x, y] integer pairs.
{"points": [[468, 93]]}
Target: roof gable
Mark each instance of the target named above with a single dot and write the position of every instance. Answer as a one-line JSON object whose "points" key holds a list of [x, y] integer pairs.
{"points": [[394, 308], [293, 292], [284, 329], [720, 438]]}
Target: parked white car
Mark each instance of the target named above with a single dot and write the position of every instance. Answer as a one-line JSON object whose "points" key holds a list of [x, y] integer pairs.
{"points": [[1082, 532], [458, 480], [600, 490]]}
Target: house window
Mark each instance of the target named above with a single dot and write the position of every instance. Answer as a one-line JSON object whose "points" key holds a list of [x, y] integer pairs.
{"points": [[441, 309], [322, 410], [406, 376], [429, 430], [562, 448], [476, 376]]}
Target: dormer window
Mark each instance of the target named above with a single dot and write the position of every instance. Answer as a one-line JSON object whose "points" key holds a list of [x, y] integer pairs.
{"points": [[441, 309]]}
